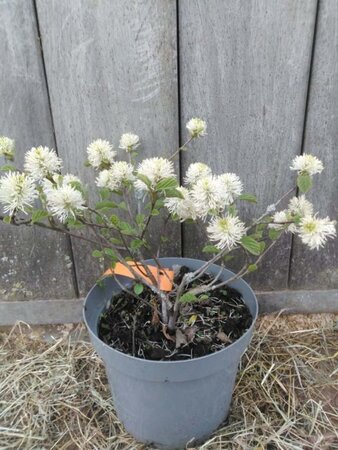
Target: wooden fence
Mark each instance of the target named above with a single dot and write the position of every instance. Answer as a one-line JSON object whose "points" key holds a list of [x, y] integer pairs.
{"points": [[264, 75]]}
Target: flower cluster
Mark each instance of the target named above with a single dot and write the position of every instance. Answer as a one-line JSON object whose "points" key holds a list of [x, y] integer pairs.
{"points": [[41, 162], [205, 196], [7, 147]]}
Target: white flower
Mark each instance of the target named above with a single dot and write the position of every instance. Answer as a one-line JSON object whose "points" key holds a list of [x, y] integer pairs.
{"points": [[129, 142], [120, 173], [196, 127], [100, 154], [195, 172], [70, 178], [300, 206], [41, 162], [280, 220], [230, 187], [307, 164], [226, 231], [7, 147], [206, 195], [155, 169], [183, 208], [17, 192], [65, 202], [58, 181], [315, 232]]}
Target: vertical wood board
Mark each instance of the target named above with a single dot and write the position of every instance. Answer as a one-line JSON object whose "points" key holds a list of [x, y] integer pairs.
{"points": [[312, 269], [34, 263], [111, 68], [244, 67]]}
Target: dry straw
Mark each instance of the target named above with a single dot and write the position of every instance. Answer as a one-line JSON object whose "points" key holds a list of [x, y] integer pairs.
{"points": [[54, 395]]}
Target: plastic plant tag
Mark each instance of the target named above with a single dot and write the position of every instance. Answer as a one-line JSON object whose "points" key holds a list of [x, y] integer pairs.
{"points": [[164, 276]]}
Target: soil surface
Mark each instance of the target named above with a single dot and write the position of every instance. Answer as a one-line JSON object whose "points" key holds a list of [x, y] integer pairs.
{"points": [[132, 327]]}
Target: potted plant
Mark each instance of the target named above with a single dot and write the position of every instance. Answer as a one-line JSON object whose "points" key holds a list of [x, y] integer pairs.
{"points": [[171, 331]]}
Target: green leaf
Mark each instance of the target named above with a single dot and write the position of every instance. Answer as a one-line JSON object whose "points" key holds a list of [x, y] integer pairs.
{"points": [[251, 245], [7, 168], [227, 258], [110, 252], [115, 221], [38, 215], [138, 288], [115, 241], [159, 204], [145, 180], [140, 219], [274, 234], [232, 210], [174, 193], [105, 204], [74, 223], [262, 245], [136, 244], [304, 182], [260, 227], [188, 297], [127, 229], [97, 254], [122, 205], [166, 183], [248, 198], [155, 212], [7, 219], [210, 249], [252, 267], [203, 297], [104, 193]]}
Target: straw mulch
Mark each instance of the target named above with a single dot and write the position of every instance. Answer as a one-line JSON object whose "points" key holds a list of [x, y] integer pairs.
{"points": [[54, 395]]}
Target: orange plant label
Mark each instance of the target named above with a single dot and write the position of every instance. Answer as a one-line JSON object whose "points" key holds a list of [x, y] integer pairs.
{"points": [[165, 277]]}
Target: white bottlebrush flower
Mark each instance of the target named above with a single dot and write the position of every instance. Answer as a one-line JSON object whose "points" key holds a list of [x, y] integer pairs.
{"points": [[195, 172], [300, 206], [307, 164], [226, 231], [17, 192], [65, 202], [129, 142], [70, 178], [196, 127], [41, 162], [206, 195], [7, 147], [183, 208], [155, 169], [58, 180], [314, 232], [230, 187], [280, 221], [120, 173], [100, 154]]}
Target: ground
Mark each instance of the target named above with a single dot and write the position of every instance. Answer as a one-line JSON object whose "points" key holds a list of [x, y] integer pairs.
{"points": [[54, 393]]}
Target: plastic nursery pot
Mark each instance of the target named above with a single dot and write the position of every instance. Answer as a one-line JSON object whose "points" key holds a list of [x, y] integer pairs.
{"points": [[169, 403]]}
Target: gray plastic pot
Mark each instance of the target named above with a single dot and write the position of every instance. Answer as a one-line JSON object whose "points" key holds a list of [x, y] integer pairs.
{"points": [[169, 403]]}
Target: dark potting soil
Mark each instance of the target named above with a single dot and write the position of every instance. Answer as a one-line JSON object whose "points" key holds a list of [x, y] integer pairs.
{"points": [[131, 326]]}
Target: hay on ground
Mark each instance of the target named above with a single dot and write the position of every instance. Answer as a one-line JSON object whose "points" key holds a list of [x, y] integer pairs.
{"points": [[54, 395]]}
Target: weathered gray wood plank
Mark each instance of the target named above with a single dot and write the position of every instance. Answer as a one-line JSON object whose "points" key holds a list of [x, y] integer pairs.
{"points": [[319, 269], [33, 263], [244, 68], [39, 312], [111, 68]]}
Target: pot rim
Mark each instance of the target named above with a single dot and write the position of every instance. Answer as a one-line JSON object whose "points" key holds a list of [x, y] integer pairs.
{"points": [[186, 361]]}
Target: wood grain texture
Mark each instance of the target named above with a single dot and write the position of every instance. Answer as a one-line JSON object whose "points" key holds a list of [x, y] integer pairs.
{"points": [[244, 67], [29, 268], [111, 68], [319, 269]]}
